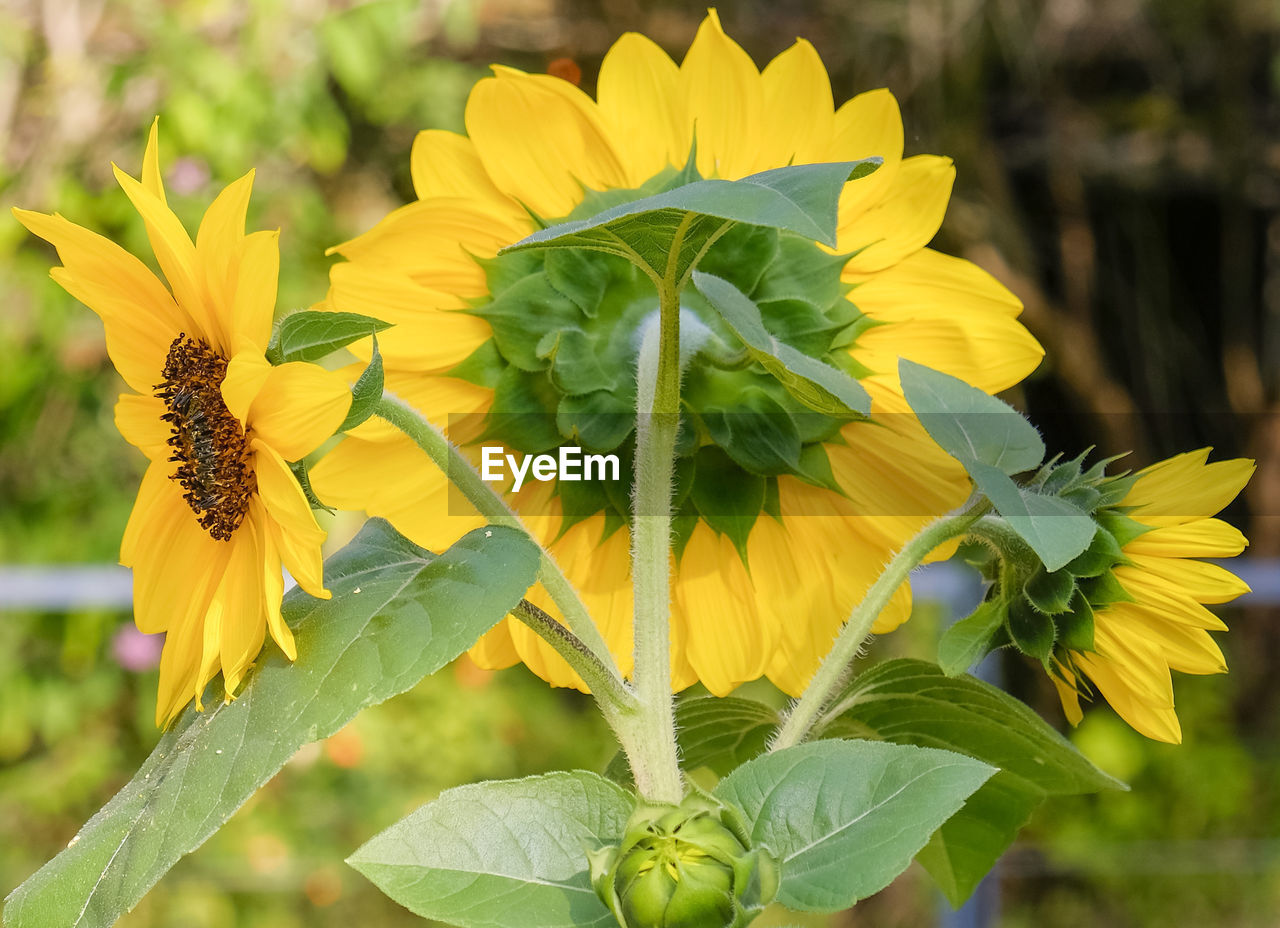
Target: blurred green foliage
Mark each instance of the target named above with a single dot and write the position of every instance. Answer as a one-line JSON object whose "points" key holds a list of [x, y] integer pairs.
{"points": [[1117, 160]]}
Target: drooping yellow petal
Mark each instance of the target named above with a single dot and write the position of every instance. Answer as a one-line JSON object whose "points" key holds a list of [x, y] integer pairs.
{"points": [[138, 420], [290, 524], [240, 600], [904, 220], [640, 102], [174, 566], [273, 584], [541, 140], [1199, 538], [724, 101], [798, 109], [1188, 649], [299, 406], [1156, 721], [1207, 583]]}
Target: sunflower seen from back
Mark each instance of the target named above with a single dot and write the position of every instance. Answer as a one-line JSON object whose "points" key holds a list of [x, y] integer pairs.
{"points": [[783, 517], [219, 511]]}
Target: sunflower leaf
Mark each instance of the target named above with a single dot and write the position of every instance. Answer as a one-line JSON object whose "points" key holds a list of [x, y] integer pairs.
{"points": [[502, 854], [799, 198], [366, 392], [398, 613], [818, 386], [914, 702], [1055, 529], [969, 424], [310, 335], [846, 817]]}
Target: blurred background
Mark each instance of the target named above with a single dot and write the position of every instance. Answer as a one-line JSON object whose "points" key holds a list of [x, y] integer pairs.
{"points": [[1118, 167]]}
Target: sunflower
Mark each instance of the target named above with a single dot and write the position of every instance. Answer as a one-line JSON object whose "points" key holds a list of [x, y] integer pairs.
{"points": [[1160, 622], [219, 510], [785, 517]]}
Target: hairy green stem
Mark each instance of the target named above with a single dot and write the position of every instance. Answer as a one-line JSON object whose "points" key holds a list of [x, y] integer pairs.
{"points": [[656, 768], [613, 694], [824, 686], [490, 505]]}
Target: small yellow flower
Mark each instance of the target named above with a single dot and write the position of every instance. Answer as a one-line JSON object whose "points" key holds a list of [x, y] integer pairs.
{"points": [[538, 145], [1166, 626], [218, 511]]}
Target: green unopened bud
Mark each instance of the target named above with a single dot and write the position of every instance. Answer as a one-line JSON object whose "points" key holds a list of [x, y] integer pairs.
{"points": [[686, 866]]}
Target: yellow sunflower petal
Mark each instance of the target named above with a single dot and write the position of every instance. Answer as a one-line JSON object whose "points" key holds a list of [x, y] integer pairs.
{"points": [[273, 585], [446, 164], [1158, 722], [174, 566], [640, 102], [291, 524], [713, 597], [151, 179], [299, 406], [1185, 487], [1200, 538], [253, 305], [724, 101], [139, 315], [1187, 649], [798, 108], [247, 371], [240, 598], [138, 419], [1070, 698], [868, 126], [1206, 583], [219, 238], [176, 256], [179, 668], [540, 140], [905, 219]]}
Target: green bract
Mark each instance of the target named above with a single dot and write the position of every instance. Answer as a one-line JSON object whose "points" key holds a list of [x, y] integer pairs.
{"points": [[686, 866]]}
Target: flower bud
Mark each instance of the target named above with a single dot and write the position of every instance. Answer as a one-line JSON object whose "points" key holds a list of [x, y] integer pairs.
{"points": [[686, 866]]}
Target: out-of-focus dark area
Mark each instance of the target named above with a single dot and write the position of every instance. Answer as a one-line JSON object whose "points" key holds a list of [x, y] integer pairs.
{"points": [[1118, 167]]}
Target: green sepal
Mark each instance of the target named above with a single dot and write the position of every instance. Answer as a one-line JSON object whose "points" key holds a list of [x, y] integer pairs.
{"points": [[968, 641], [1104, 590], [1032, 633], [366, 392], [756, 432], [310, 335], [300, 473], [522, 314], [1075, 626], [523, 412], [728, 498], [1103, 553], [1050, 592], [815, 468], [598, 421], [483, 367], [1123, 528]]}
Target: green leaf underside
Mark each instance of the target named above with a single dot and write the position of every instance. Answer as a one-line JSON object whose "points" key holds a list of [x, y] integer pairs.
{"points": [[1056, 530], [969, 424], [846, 817], [398, 613], [366, 392], [310, 335], [723, 733], [913, 702], [967, 641], [818, 386], [798, 198], [502, 854]]}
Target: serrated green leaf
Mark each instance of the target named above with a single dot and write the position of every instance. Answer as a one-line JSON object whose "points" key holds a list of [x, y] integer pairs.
{"points": [[366, 392], [398, 613], [1055, 530], [797, 198], [968, 641], [967, 423], [818, 386], [310, 335], [846, 817], [914, 702], [502, 854]]}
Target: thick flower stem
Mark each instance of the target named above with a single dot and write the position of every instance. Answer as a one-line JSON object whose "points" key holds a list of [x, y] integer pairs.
{"points": [[490, 505], [805, 712], [656, 765]]}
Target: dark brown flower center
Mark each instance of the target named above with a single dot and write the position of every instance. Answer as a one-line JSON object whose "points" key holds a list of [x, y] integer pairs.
{"points": [[208, 443]]}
